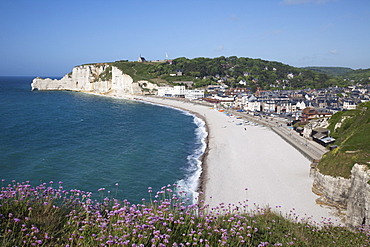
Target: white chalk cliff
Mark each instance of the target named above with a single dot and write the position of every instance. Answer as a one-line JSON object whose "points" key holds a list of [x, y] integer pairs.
{"points": [[350, 196], [99, 79]]}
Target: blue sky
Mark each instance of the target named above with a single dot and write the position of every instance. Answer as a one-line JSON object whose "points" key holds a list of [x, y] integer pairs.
{"points": [[49, 37]]}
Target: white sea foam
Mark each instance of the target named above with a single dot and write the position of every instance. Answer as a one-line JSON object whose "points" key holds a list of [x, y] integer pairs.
{"points": [[194, 169]]}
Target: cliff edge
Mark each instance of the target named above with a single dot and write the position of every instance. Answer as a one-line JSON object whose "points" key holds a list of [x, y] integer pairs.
{"points": [[99, 79], [351, 196]]}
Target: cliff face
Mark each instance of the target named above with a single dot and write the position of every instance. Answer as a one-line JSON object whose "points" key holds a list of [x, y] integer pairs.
{"points": [[350, 196], [100, 79]]}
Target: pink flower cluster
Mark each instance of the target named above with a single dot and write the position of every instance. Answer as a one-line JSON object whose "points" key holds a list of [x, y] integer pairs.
{"points": [[47, 216]]}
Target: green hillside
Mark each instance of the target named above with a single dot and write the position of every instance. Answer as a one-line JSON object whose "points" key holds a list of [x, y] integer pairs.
{"points": [[332, 71], [361, 75], [347, 74], [230, 70], [353, 140]]}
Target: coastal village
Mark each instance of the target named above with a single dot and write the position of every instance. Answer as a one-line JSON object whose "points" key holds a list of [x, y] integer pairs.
{"points": [[295, 106], [281, 102], [291, 103]]}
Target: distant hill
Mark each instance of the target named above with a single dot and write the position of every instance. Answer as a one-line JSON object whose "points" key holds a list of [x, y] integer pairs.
{"points": [[359, 75], [362, 75], [332, 71], [353, 140]]}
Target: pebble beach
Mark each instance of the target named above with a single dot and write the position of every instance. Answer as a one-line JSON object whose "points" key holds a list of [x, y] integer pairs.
{"points": [[247, 164]]}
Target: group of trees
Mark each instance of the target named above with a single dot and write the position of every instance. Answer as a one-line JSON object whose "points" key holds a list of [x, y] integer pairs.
{"points": [[231, 70]]}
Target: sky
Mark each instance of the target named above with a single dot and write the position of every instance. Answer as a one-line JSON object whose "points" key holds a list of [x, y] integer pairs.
{"points": [[49, 38]]}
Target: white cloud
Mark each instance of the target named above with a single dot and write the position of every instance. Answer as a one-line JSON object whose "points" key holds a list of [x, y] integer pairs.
{"points": [[219, 48], [334, 51], [234, 17], [297, 2]]}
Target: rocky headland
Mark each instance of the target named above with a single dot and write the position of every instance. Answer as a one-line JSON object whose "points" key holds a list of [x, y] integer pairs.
{"points": [[98, 79]]}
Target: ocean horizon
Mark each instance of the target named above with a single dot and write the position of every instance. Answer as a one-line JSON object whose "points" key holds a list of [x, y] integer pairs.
{"points": [[108, 146]]}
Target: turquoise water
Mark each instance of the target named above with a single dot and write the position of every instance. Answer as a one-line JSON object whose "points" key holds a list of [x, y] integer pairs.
{"points": [[90, 142]]}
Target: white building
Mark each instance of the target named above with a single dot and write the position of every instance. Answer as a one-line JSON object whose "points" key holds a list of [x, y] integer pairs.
{"points": [[268, 106], [349, 105], [252, 105], [180, 91], [176, 91], [301, 105], [284, 107], [194, 94], [165, 91]]}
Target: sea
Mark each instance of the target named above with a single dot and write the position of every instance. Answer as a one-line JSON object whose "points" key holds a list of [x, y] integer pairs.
{"points": [[112, 147]]}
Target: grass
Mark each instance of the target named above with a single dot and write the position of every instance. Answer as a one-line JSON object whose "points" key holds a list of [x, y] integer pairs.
{"points": [[138, 71], [48, 215], [353, 140]]}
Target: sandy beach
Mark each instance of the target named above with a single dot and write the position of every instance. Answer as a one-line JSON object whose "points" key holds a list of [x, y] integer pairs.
{"points": [[253, 164]]}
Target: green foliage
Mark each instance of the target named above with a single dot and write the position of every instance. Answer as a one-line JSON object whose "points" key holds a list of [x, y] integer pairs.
{"points": [[353, 140], [332, 71], [256, 72], [344, 75], [138, 71], [359, 75]]}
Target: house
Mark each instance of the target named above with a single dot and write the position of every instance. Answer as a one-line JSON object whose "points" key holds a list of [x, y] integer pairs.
{"points": [[322, 102], [165, 91], [242, 82], [194, 94], [180, 92], [284, 106], [252, 104], [349, 105], [141, 59], [310, 113], [176, 91], [236, 91], [268, 105], [321, 136], [301, 105]]}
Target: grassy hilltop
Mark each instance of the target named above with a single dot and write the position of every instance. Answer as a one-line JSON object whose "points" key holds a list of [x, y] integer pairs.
{"points": [[231, 70]]}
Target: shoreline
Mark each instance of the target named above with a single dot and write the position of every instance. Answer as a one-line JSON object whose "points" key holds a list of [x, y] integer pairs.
{"points": [[236, 169], [203, 158]]}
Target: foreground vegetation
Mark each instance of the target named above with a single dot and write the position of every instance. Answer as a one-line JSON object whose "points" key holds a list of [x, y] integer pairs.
{"points": [[48, 215], [352, 139]]}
